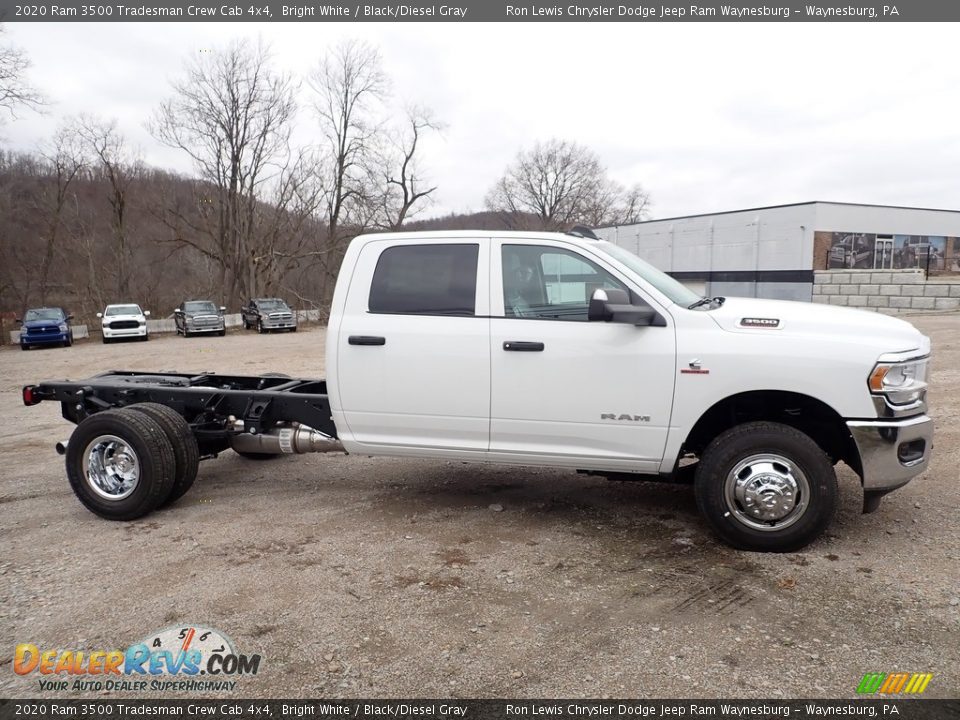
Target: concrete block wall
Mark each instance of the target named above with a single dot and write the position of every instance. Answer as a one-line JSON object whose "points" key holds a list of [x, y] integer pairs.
{"points": [[893, 292]]}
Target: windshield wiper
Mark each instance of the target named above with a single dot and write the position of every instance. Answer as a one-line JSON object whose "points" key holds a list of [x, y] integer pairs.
{"points": [[707, 301]]}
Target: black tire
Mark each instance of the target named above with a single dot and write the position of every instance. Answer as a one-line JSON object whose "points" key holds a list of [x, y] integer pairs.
{"points": [[24, 347], [782, 453], [222, 332], [156, 462], [68, 342], [246, 325], [185, 451], [146, 337], [260, 327]]}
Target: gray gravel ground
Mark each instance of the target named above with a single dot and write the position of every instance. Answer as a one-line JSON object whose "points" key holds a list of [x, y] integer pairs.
{"points": [[356, 576]]}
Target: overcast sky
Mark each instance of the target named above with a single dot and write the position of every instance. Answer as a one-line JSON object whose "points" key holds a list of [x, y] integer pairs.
{"points": [[707, 117]]}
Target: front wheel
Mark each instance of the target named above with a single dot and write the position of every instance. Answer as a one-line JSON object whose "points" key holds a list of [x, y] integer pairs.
{"points": [[767, 487]]}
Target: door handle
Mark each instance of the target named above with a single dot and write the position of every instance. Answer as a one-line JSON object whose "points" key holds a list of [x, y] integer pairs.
{"points": [[522, 346], [366, 340]]}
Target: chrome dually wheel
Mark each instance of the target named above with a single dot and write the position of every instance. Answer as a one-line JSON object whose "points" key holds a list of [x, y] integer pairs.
{"points": [[120, 464], [767, 492], [112, 467], [766, 486]]}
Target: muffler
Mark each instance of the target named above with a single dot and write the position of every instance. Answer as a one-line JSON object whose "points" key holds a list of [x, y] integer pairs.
{"points": [[288, 440]]}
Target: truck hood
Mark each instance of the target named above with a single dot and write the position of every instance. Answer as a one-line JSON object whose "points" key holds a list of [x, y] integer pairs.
{"points": [[113, 318], [773, 317]]}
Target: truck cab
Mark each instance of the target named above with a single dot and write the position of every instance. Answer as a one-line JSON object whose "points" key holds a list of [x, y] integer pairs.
{"points": [[565, 351]]}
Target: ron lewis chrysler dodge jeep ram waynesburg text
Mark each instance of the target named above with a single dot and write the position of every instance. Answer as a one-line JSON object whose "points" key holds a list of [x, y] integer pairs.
{"points": [[555, 350]]}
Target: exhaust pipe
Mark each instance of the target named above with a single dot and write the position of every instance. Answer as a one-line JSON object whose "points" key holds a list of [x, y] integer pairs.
{"points": [[284, 441], [61, 447]]}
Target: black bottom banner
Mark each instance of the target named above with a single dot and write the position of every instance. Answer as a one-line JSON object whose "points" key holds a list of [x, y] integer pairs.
{"points": [[914, 708]]}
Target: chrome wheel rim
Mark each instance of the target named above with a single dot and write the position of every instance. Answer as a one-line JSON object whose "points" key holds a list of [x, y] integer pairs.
{"points": [[767, 492], [111, 467]]}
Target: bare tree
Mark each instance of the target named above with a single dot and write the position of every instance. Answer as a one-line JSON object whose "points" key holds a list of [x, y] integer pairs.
{"points": [[64, 160], [233, 115], [117, 165], [349, 83], [563, 183], [405, 186], [15, 89]]}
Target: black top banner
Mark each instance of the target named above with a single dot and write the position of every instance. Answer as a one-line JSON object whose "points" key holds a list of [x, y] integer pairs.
{"points": [[475, 11]]}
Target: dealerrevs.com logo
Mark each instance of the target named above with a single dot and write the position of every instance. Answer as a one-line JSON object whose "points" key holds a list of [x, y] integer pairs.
{"points": [[179, 658]]}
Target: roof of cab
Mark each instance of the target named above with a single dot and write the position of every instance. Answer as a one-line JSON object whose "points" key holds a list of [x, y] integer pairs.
{"points": [[466, 234]]}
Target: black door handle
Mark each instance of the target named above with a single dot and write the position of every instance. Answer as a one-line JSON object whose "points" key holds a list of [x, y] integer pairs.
{"points": [[366, 340], [521, 346]]}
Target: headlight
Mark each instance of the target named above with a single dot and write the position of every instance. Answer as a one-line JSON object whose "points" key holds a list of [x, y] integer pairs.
{"points": [[63, 327], [902, 383]]}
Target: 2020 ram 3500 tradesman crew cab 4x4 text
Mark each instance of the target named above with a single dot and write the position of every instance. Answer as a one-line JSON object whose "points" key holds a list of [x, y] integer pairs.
{"points": [[551, 350]]}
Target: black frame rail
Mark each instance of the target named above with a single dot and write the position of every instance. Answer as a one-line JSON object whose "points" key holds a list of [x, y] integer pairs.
{"points": [[205, 400]]}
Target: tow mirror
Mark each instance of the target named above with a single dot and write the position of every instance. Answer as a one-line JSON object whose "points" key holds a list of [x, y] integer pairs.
{"points": [[99, 315], [146, 313], [613, 305]]}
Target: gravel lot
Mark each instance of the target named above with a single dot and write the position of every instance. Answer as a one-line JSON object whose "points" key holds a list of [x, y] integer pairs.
{"points": [[357, 576]]}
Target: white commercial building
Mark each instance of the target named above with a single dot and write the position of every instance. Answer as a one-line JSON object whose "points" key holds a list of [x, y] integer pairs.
{"points": [[772, 252]]}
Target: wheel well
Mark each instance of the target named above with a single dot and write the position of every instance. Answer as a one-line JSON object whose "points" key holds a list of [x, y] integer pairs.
{"points": [[807, 414]]}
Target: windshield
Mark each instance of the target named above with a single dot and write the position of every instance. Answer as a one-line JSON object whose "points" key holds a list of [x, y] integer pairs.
{"points": [[123, 310], [200, 306], [43, 314], [673, 289], [272, 304]]}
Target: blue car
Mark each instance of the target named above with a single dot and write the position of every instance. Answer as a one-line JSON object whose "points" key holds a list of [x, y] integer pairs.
{"points": [[45, 326]]}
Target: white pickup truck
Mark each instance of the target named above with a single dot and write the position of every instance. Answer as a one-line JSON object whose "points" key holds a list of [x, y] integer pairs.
{"points": [[542, 349]]}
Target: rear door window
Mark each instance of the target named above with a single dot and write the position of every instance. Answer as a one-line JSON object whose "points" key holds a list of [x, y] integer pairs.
{"points": [[426, 280]]}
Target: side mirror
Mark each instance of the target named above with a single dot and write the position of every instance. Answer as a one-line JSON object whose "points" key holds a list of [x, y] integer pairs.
{"points": [[99, 315], [69, 317], [613, 305], [18, 321], [146, 313], [223, 309], [177, 311]]}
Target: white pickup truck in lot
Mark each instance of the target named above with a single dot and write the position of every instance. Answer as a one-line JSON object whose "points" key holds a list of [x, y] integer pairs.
{"points": [[542, 349]]}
